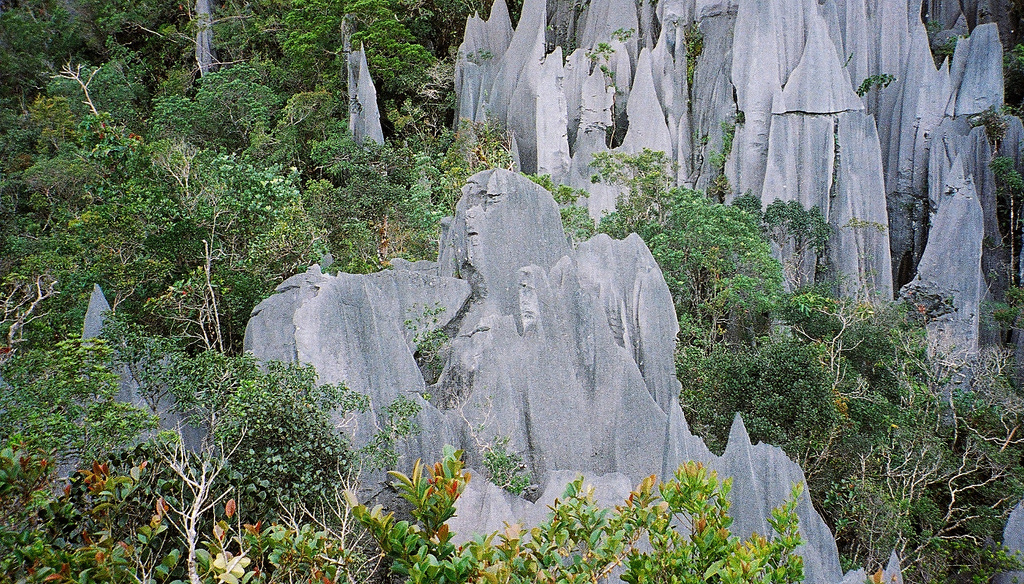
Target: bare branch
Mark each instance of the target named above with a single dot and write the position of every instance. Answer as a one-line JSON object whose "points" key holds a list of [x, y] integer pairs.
{"points": [[76, 75]]}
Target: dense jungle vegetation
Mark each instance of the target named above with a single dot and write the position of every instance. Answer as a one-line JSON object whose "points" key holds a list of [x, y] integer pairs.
{"points": [[189, 196]]}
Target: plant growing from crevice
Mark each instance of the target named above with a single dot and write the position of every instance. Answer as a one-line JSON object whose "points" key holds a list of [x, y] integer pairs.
{"points": [[720, 188], [397, 421], [881, 81], [431, 341], [694, 49], [995, 124], [505, 468]]}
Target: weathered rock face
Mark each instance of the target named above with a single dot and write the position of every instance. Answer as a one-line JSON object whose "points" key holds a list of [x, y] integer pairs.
{"points": [[1013, 541], [94, 314], [772, 101], [162, 406], [948, 287], [363, 114], [565, 353]]}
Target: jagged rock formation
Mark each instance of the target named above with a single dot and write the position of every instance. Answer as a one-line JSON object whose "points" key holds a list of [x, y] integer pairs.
{"points": [[566, 353], [363, 114], [161, 406], [770, 102], [94, 314]]}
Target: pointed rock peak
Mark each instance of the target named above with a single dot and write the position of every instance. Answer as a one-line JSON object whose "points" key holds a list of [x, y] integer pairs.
{"points": [[533, 16], [647, 126], [676, 418], [738, 437], [893, 571], [819, 84], [363, 115], [95, 314], [499, 15], [977, 72], [960, 184]]}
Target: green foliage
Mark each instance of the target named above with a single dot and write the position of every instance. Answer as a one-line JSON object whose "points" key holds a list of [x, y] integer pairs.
{"points": [[65, 400], [25, 477], [280, 419], [576, 221], [506, 468], [720, 189], [804, 233], [123, 522], [397, 421], [581, 542], [694, 49], [994, 122], [1013, 75], [780, 388], [716, 263], [881, 81], [230, 108], [852, 393], [432, 342], [647, 178]]}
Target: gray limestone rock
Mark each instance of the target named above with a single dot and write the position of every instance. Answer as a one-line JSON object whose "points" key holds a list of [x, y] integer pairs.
{"points": [[763, 477], [1013, 541], [818, 84], [606, 18], [204, 36], [647, 128], [525, 48], [976, 72], [354, 329], [755, 74], [552, 142], [949, 285], [595, 119], [893, 573], [485, 508], [857, 210], [483, 46], [712, 88], [669, 66], [363, 115], [489, 235], [629, 284], [566, 354], [128, 385], [801, 161], [574, 77], [95, 314]]}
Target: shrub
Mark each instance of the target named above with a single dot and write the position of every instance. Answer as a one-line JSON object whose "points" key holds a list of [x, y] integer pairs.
{"points": [[581, 542]]}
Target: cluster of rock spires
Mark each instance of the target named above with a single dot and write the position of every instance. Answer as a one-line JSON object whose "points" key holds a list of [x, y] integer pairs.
{"points": [[772, 102], [566, 353]]}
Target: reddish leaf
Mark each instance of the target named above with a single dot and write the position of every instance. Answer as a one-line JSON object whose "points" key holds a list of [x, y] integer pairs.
{"points": [[229, 508]]}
